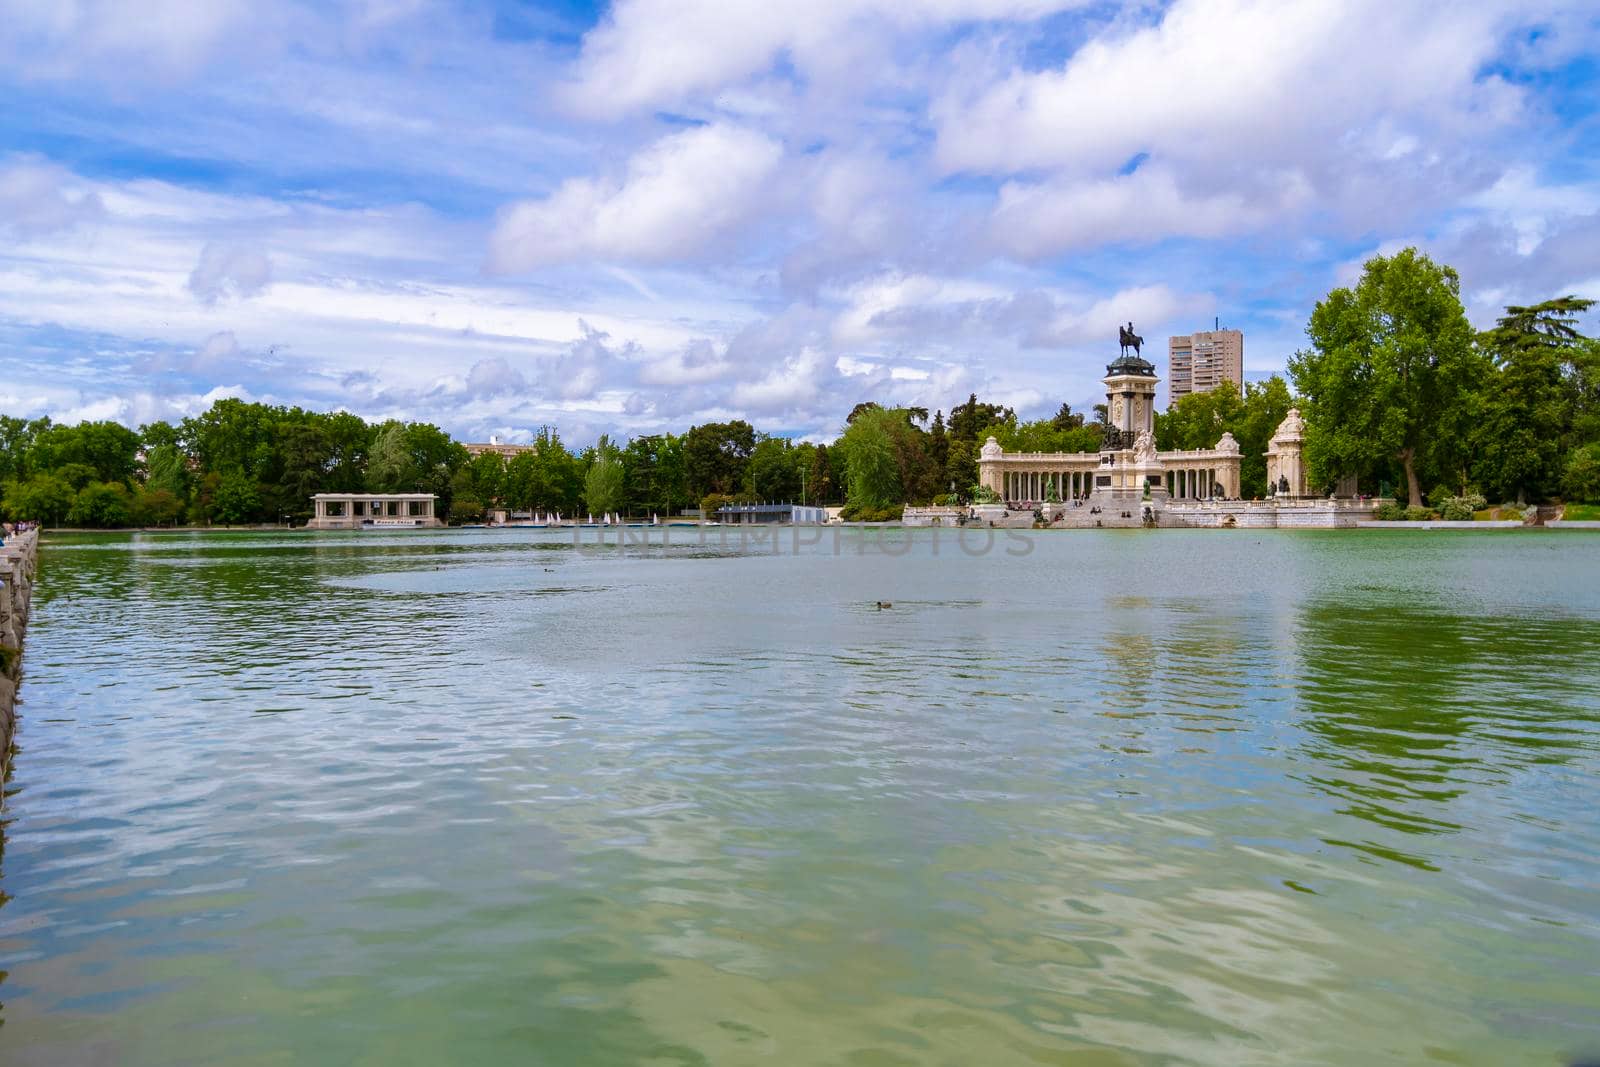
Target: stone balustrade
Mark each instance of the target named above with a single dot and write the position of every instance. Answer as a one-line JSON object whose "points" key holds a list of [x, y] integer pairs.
{"points": [[18, 563]]}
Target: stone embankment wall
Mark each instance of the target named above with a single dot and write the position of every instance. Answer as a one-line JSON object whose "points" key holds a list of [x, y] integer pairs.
{"points": [[18, 560], [1311, 513]]}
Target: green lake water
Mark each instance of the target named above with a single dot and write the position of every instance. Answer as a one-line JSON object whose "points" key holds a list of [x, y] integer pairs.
{"points": [[1097, 798]]}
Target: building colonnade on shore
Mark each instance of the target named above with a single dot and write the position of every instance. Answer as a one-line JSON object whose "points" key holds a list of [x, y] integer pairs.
{"points": [[1067, 481], [1043, 476]]}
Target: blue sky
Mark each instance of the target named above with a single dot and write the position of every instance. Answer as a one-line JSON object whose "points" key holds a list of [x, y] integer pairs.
{"points": [[633, 217]]}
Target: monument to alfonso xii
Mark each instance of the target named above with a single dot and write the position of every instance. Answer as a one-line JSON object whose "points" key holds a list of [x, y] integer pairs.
{"points": [[1130, 483]]}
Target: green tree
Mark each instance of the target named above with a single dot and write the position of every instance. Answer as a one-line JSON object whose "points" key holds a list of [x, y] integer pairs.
{"points": [[236, 499], [1066, 418], [1200, 419], [547, 478], [76, 475], [482, 479], [389, 468], [415, 457], [43, 498], [103, 505], [602, 483], [871, 466], [167, 469], [1045, 435], [1530, 402], [155, 434], [305, 456], [773, 473], [231, 436], [108, 449], [714, 456], [352, 439], [16, 441], [1580, 482], [1391, 371], [157, 507], [961, 464], [653, 474], [465, 504], [820, 485], [1266, 405], [971, 421]]}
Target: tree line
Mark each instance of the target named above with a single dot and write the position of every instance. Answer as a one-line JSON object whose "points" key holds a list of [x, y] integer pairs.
{"points": [[1398, 390], [246, 463], [1395, 386]]}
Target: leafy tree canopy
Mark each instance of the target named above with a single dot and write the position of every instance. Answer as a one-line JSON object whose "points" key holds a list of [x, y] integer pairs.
{"points": [[1391, 373]]}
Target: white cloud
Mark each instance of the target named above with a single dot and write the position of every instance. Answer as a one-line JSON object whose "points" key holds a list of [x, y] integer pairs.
{"points": [[229, 271], [963, 313], [789, 385], [38, 198], [589, 366], [1032, 220], [158, 37], [218, 348], [697, 363], [1229, 83], [656, 52], [494, 377], [677, 196]]}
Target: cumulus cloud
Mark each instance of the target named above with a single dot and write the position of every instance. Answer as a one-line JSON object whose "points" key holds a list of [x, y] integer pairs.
{"points": [[788, 386], [225, 271], [1213, 77], [219, 348], [166, 41], [494, 377], [1239, 114], [697, 363], [654, 52], [39, 198], [1034, 318], [1033, 220], [217, 355], [160, 37], [676, 197], [589, 365]]}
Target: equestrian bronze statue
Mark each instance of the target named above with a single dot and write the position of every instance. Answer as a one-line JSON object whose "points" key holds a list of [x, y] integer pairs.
{"points": [[1130, 340]]}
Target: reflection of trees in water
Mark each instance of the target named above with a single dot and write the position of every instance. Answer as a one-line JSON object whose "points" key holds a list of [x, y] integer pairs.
{"points": [[1172, 669], [1407, 710]]}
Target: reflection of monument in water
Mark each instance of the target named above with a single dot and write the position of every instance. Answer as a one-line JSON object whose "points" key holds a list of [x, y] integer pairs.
{"points": [[1130, 483]]}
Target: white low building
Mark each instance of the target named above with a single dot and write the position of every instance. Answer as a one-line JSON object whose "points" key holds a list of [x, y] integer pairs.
{"points": [[358, 511]]}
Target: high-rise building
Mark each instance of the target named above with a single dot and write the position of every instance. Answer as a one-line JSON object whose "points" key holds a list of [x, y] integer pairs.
{"points": [[1199, 362]]}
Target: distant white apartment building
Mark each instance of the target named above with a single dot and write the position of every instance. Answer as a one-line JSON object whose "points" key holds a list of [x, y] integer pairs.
{"points": [[1199, 362]]}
